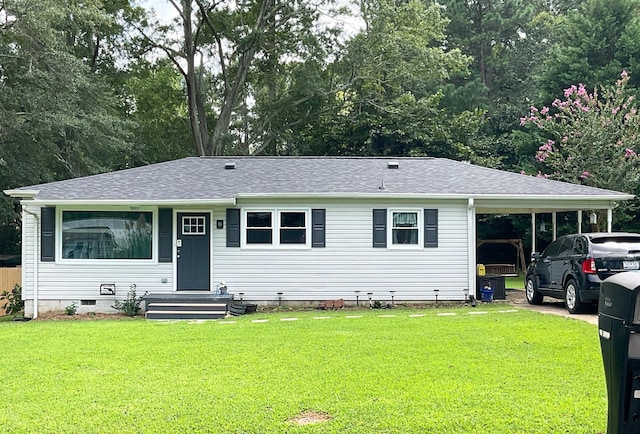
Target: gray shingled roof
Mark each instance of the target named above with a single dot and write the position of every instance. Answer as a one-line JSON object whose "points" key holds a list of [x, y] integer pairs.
{"points": [[206, 178]]}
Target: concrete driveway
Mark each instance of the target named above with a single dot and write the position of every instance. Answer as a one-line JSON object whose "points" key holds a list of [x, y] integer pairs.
{"points": [[549, 306]]}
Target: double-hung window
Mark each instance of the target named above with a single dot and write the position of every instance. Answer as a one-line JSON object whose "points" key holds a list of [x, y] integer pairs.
{"points": [[276, 227], [293, 227], [259, 228], [405, 228]]}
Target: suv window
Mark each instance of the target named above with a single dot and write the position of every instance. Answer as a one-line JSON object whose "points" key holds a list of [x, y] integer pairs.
{"points": [[615, 245], [565, 247], [580, 247], [554, 248]]}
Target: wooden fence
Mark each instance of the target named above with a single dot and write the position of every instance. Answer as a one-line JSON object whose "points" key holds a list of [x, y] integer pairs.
{"points": [[8, 278]]}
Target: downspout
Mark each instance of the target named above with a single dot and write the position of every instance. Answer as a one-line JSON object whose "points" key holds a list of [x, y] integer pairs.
{"points": [[36, 239], [471, 245]]}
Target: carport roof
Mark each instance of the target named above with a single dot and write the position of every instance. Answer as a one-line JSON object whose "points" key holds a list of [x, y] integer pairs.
{"points": [[218, 179]]}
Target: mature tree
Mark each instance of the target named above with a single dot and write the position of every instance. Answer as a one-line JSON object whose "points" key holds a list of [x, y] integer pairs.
{"points": [[220, 44], [481, 27], [57, 118], [594, 44], [153, 93], [390, 74], [583, 130]]}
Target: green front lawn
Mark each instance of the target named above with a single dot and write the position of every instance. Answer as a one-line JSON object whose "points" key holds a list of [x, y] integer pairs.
{"points": [[448, 370]]}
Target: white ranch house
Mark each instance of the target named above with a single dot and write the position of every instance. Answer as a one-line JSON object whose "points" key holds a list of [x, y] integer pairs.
{"points": [[300, 230]]}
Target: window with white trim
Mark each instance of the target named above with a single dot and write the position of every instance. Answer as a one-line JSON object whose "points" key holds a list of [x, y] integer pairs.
{"points": [[405, 229], [106, 234], [293, 228], [276, 227], [259, 228], [193, 225]]}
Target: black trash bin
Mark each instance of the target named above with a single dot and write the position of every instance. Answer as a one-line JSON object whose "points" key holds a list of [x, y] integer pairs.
{"points": [[496, 283], [619, 329]]}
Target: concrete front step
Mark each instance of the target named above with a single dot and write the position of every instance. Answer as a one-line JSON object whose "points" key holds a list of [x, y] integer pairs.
{"points": [[184, 314], [168, 306]]}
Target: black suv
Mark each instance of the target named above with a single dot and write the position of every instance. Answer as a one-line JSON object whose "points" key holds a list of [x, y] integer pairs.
{"points": [[572, 267]]}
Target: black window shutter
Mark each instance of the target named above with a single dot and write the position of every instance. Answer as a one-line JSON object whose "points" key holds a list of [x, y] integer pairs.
{"points": [[318, 228], [165, 235], [379, 228], [48, 234], [233, 227], [431, 228]]}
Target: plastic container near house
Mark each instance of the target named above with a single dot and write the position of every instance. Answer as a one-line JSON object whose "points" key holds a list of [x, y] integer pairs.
{"points": [[487, 293]]}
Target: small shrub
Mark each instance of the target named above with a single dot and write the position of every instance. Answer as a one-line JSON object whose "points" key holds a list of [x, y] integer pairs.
{"points": [[15, 303], [131, 304], [72, 309]]}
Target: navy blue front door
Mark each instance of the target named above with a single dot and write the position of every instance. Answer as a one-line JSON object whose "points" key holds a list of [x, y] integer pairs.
{"points": [[193, 251]]}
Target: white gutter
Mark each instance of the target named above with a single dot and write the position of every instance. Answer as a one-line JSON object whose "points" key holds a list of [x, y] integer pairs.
{"points": [[461, 196], [26, 194], [133, 202], [36, 239]]}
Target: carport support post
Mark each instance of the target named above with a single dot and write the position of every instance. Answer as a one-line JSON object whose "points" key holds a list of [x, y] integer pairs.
{"points": [[579, 221], [533, 232], [609, 218]]}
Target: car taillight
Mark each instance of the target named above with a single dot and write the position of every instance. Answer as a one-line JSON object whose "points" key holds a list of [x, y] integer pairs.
{"points": [[589, 266]]}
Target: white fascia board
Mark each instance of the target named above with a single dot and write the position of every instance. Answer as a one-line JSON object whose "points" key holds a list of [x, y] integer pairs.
{"points": [[25, 194], [509, 197], [163, 202]]}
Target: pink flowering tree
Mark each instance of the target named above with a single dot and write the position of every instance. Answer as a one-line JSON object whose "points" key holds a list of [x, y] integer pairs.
{"points": [[591, 139]]}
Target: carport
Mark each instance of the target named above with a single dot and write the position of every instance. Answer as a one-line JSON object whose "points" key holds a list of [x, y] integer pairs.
{"points": [[567, 198]]}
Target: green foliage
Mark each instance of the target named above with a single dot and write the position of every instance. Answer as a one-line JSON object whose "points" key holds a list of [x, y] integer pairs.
{"points": [[72, 309], [586, 129], [372, 374], [391, 74], [153, 94], [594, 43], [14, 304], [60, 117], [131, 304]]}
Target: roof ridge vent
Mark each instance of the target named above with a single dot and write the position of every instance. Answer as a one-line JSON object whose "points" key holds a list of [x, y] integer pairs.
{"points": [[392, 165], [230, 165]]}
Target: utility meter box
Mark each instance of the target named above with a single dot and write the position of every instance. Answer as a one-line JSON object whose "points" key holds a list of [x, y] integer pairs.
{"points": [[619, 329]]}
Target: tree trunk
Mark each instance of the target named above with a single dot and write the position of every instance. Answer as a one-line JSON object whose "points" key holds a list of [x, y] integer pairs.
{"points": [[197, 116]]}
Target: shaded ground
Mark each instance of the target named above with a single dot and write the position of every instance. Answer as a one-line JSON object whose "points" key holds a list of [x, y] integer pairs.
{"points": [[551, 306]]}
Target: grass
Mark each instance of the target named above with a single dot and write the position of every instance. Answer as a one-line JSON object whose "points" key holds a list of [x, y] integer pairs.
{"points": [[465, 372], [515, 282]]}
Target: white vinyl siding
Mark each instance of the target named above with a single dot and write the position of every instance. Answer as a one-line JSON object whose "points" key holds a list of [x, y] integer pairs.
{"points": [[346, 264], [349, 262], [70, 281]]}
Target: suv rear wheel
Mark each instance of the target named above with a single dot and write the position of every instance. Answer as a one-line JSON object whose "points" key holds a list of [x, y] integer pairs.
{"points": [[531, 290], [571, 297]]}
